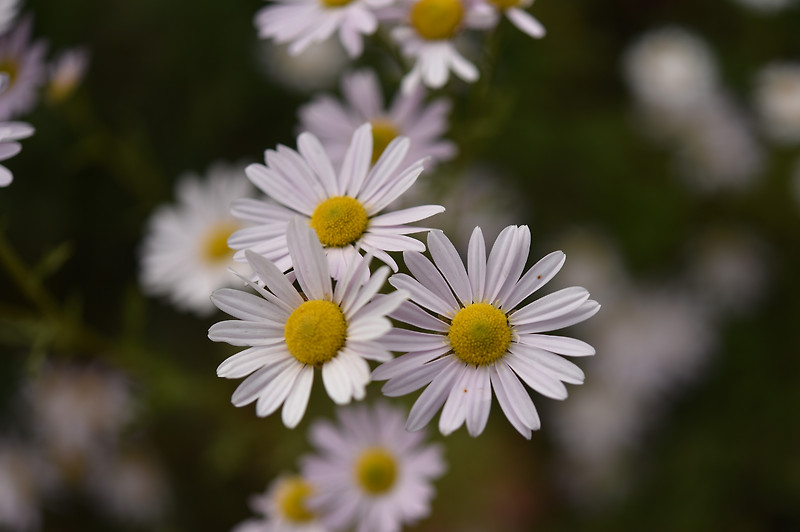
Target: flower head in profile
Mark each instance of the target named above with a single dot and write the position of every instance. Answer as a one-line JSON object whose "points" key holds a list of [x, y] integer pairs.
{"points": [[427, 33], [344, 209], [23, 69], [66, 73], [185, 255], [10, 132], [371, 474], [284, 508], [291, 332], [304, 22], [477, 336], [334, 122]]}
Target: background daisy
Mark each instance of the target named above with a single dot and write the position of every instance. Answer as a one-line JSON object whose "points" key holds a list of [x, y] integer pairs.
{"points": [[292, 332], [185, 255], [334, 122], [371, 474], [284, 508], [23, 62], [479, 338], [10, 132], [344, 209]]}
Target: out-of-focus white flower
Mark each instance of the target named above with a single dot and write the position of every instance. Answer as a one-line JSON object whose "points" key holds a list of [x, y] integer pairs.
{"points": [[767, 6], [304, 22], [371, 475], [729, 269], [717, 149], [22, 61], [515, 11], [671, 70], [778, 101], [66, 73], [315, 68], [293, 332], [427, 34], [9, 133], [479, 337], [185, 253], [131, 488], [284, 507], [8, 13], [334, 122], [345, 209], [77, 413], [19, 492]]}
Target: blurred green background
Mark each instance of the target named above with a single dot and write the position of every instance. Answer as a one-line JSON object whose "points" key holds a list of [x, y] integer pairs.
{"points": [[174, 86]]}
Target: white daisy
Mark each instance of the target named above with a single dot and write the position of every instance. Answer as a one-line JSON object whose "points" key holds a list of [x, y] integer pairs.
{"points": [[10, 132], [185, 255], [514, 10], [23, 62], [344, 211], [303, 22], [284, 508], [778, 101], [480, 340], [428, 35], [291, 332], [371, 474], [66, 73], [334, 122]]}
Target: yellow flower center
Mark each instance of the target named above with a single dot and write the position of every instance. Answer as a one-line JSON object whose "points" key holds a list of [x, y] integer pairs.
{"points": [[479, 334], [292, 498], [339, 221], [10, 68], [215, 242], [383, 132], [504, 4], [315, 331], [334, 3], [376, 470], [436, 19]]}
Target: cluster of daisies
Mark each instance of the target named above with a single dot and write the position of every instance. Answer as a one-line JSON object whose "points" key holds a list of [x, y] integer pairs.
{"points": [[318, 303], [428, 33], [23, 72]]}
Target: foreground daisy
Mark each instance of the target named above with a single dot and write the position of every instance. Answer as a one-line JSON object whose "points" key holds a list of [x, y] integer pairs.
{"points": [[334, 122], [9, 133], [428, 35], [480, 338], [284, 508], [293, 332], [371, 475], [304, 22], [185, 255], [344, 209]]}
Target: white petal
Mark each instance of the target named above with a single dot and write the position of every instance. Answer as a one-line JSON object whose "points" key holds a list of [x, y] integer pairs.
{"points": [[336, 381], [450, 264], [274, 279], [367, 292], [558, 344], [368, 328], [476, 264], [247, 361], [405, 216], [251, 333], [455, 408], [414, 378], [356, 161], [295, 406], [526, 22], [311, 148], [514, 400], [430, 277], [434, 396], [501, 259], [584, 312], [247, 306], [405, 340], [534, 376], [308, 258], [382, 305], [557, 366], [551, 306], [421, 295], [275, 394], [410, 313], [536, 277], [405, 363], [385, 166], [254, 385], [480, 402]]}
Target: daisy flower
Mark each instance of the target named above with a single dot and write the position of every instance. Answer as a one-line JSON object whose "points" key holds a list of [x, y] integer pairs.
{"points": [[480, 338], [284, 508], [334, 122], [303, 22], [10, 132], [777, 100], [343, 210], [291, 333], [23, 63], [428, 34], [371, 474], [185, 255], [514, 10]]}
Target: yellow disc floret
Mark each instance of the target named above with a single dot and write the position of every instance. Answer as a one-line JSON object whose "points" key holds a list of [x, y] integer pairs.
{"points": [[9, 68], [376, 470], [334, 3], [436, 19], [339, 221], [383, 132], [315, 331], [215, 242], [292, 498], [504, 4], [479, 334]]}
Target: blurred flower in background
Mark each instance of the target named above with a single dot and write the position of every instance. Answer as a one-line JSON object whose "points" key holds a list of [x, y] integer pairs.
{"points": [[22, 60], [66, 73], [19, 489], [777, 100], [315, 68]]}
